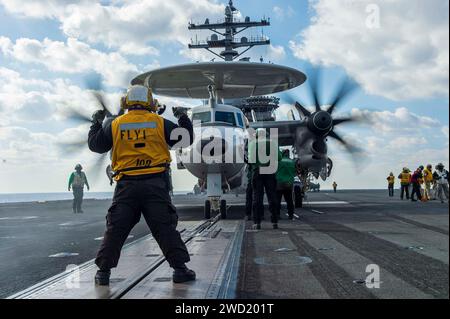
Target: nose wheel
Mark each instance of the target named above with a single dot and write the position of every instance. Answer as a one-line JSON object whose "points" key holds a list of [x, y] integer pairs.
{"points": [[223, 209], [215, 205], [207, 209]]}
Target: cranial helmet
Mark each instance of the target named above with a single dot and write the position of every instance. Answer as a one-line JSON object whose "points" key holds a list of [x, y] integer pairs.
{"points": [[139, 95], [78, 167]]}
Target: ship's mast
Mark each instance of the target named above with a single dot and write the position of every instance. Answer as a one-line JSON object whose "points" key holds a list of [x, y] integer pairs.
{"points": [[226, 39]]}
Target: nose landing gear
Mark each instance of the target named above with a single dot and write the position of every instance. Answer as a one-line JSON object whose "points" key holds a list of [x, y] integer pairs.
{"points": [[215, 204]]}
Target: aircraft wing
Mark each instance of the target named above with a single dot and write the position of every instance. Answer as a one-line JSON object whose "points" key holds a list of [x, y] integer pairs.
{"points": [[287, 130]]}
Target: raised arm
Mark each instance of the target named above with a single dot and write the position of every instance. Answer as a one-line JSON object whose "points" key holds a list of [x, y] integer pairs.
{"points": [[100, 138], [183, 122]]}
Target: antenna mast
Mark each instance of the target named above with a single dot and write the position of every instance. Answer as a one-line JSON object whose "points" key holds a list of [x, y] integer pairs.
{"points": [[226, 39]]}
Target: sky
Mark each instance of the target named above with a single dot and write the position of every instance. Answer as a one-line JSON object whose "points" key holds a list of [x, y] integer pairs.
{"points": [[397, 52]]}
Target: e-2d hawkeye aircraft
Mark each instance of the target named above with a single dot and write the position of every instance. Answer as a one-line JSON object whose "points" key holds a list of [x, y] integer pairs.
{"points": [[220, 130]]}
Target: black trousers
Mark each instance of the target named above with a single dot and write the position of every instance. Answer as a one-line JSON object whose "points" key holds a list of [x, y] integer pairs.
{"points": [[77, 199], [267, 183], [391, 190], [149, 197], [249, 199], [416, 191], [404, 190], [287, 194]]}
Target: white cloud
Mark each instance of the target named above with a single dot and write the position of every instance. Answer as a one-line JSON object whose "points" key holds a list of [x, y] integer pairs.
{"points": [[122, 24], [19, 145], [5, 44], [281, 13], [399, 120], [39, 9], [73, 57], [407, 56], [403, 142], [29, 100], [276, 53], [444, 131], [133, 49]]}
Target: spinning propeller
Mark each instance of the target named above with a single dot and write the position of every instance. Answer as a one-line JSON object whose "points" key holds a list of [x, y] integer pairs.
{"points": [[321, 121], [77, 146], [76, 115]]}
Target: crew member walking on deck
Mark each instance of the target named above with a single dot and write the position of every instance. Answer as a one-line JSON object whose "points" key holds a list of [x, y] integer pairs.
{"points": [[428, 181], [335, 185], [391, 183], [140, 141], [285, 182], [77, 180], [405, 181], [264, 168], [415, 181], [249, 194], [441, 176], [249, 189]]}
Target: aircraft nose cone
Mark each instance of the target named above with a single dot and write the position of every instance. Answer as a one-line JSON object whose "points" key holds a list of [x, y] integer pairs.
{"points": [[212, 147]]}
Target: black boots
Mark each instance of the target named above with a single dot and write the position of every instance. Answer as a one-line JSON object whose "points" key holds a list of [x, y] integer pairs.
{"points": [[182, 274], [102, 277], [256, 226]]}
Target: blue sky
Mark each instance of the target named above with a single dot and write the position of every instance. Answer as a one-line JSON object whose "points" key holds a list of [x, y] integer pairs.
{"points": [[396, 51]]}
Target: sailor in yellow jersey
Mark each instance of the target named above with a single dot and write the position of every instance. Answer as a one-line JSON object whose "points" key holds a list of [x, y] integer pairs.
{"points": [[391, 183], [405, 181], [140, 141], [428, 181]]}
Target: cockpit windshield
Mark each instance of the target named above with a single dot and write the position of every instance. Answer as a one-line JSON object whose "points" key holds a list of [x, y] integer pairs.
{"points": [[202, 117], [226, 117]]}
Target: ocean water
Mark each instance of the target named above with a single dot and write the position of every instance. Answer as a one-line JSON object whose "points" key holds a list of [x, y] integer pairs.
{"points": [[47, 197]]}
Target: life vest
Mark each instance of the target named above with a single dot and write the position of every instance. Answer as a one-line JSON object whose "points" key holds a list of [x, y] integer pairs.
{"points": [[286, 173], [79, 179], [139, 144], [405, 178], [391, 180], [428, 175], [442, 177]]}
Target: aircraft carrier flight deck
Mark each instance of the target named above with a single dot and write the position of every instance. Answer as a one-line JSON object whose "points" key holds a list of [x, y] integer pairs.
{"points": [[350, 244]]}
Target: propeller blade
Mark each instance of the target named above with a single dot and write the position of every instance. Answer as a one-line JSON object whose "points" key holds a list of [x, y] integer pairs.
{"points": [[343, 120], [98, 167], [302, 110], [314, 83], [100, 99], [289, 98], [76, 115], [350, 148], [345, 89], [74, 147], [94, 84]]}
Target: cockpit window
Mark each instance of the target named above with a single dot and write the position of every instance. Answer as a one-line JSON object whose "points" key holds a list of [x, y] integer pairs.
{"points": [[226, 117], [202, 117], [240, 121]]}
